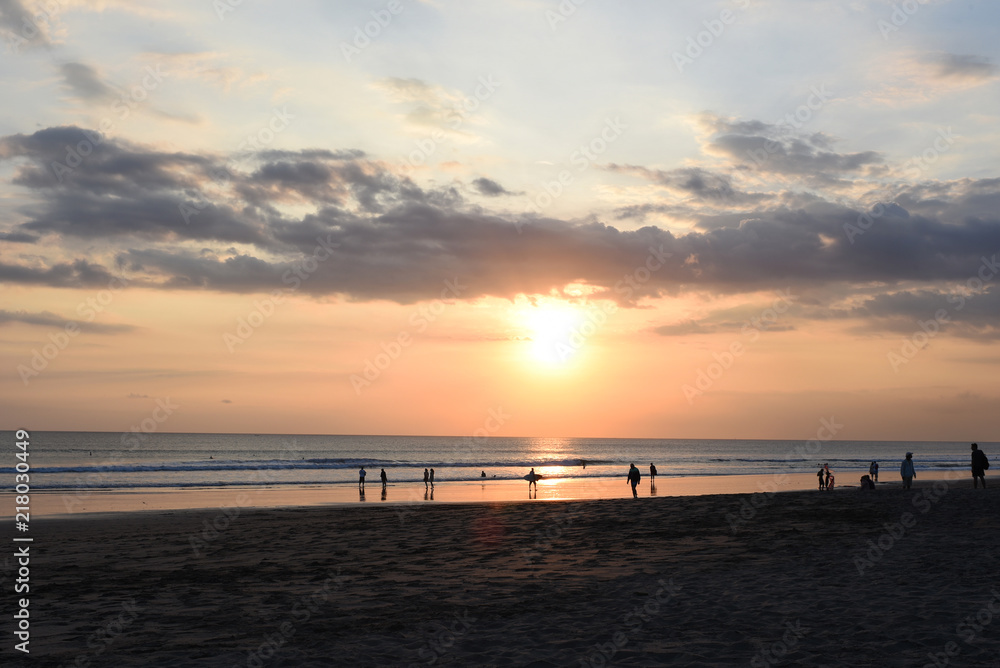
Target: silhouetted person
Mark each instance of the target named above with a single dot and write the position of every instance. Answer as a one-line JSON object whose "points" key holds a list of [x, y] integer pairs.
{"points": [[483, 474], [652, 471], [425, 478], [826, 483], [979, 465], [633, 479], [361, 477], [907, 472], [532, 479], [384, 478], [822, 480], [432, 477]]}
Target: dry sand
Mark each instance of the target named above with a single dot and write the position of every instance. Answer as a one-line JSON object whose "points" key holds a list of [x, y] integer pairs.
{"points": [[678, 581]]}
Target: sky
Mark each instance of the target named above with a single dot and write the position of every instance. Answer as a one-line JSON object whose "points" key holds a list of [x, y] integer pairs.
{"points": [[694, 219]]}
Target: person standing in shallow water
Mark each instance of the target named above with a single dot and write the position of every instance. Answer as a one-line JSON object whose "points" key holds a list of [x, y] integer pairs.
{"points": [[633, 479], [385, 479], [979, 465], [361, 477], [652, 472], [907, 472]]}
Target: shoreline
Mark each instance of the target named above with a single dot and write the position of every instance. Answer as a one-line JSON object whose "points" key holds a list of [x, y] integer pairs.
{"points": [[70, 504]]}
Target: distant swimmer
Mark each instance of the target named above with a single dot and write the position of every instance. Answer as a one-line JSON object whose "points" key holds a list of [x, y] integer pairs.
{"points": [[633, 479], [483, 474]]}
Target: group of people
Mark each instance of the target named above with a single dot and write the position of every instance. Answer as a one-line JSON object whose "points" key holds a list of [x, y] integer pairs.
{"points": [[634, 476], [907, 471]]}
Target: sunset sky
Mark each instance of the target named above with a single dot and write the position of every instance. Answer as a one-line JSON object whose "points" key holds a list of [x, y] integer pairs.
{"points": [[648, 219]]}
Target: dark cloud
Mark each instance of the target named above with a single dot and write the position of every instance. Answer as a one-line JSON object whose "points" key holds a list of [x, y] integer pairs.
{"points": [[781, 148], [701, 184], [950, 65], [971, 310], [84, 82], [378, 235], [49, 319], [23, 31], [490, 188]]}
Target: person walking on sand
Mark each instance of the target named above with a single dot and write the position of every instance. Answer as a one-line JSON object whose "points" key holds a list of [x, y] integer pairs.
{"points": [[432, 477], [425, 478], [633, 479], [907, 471], [979, 465], [385, 479], [652, 472], [822, 481], [361, 477]]}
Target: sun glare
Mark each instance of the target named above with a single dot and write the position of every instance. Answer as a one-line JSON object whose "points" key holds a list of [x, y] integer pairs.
{"points": [[554, 329]]}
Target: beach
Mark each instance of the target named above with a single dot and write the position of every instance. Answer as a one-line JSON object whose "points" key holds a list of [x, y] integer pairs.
{"points": [[888, 578]]}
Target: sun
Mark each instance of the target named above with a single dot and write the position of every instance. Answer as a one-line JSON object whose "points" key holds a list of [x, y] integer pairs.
{"points": [[555, 331]]}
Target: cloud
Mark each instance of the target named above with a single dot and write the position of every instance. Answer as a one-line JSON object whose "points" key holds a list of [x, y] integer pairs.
{"points": [[21, 27], [490, 188], [84, 82], [950, 65], [778, 148], [49, 319], [253, 223]]}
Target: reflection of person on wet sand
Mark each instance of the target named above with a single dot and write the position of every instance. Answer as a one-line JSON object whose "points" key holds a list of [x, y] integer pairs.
{"points": [[383, 492]]}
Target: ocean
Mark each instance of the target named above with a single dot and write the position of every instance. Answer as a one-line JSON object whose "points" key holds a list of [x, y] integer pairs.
{"points": [[104, 460]]}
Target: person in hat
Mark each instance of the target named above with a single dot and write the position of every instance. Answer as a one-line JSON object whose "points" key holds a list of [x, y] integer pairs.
{"points": [[907, 472]]}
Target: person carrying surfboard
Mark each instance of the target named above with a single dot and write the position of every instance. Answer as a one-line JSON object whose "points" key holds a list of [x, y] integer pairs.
{"points": [[532, 478]]}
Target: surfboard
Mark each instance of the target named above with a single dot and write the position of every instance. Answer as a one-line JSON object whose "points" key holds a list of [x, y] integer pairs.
{"points": [[532, 477]]}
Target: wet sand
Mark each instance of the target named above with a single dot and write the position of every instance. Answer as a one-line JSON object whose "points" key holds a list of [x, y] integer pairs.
{"points": [[890, 578], [48, 504]]}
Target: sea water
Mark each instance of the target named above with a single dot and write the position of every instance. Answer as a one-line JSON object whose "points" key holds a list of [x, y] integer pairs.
{"points": [[105, 460]]}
